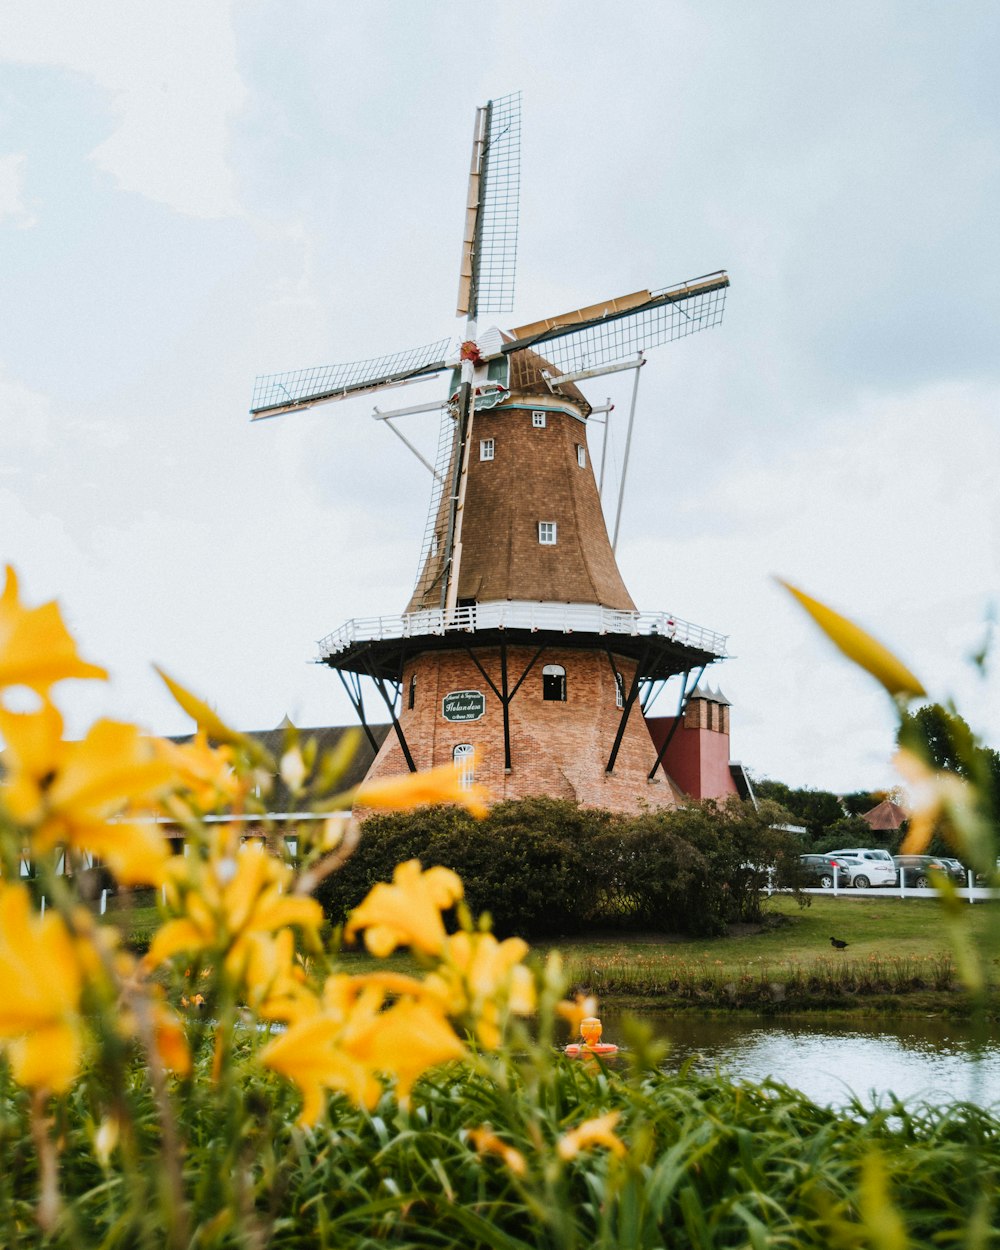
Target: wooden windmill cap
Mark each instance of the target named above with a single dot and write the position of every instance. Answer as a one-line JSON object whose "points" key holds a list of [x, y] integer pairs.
{"points": [[526, 378]]}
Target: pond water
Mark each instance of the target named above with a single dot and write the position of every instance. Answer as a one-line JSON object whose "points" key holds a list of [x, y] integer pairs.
{"points": [[930, 1059]]}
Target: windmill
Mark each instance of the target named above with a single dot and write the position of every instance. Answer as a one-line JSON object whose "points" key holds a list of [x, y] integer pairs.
{"points": [[517, 579]]}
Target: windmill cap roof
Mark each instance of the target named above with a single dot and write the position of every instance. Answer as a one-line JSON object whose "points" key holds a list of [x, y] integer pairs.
{"points": [[526, 378]]}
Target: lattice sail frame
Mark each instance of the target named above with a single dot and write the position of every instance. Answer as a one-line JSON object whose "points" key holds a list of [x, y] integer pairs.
{"points": [[671, 313], [280, 391], [489, 251]]}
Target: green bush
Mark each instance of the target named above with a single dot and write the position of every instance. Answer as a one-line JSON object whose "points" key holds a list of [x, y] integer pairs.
{"points": [[550, 868]]}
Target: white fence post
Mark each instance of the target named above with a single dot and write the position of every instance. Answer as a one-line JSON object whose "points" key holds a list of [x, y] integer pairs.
{"points": [[970, 884], [43, 904], [836, 874], [902, 882], [104, 901]]}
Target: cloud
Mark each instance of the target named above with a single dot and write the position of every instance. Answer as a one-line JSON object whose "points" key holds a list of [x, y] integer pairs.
{"points": [[888, 515], [13, 207], [174, 89]]}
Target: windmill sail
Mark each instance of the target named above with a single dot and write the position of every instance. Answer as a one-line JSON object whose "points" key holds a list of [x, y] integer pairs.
{"points": [[489, 247], [619, 329], [275, 393]]}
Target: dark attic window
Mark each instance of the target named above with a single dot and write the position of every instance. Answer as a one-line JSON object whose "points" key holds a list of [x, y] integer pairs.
{"points": [[412, 697], [554, 683]]}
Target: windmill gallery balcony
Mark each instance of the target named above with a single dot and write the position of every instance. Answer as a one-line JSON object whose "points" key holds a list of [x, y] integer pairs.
{"points": [[519, 617]]}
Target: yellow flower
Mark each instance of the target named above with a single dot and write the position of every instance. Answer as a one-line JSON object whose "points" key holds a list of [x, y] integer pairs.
{"points": [[36, 648], [74, 793], [205, 772], [576, 1010], [42, 980], [487, 1142], [445, 784], [227, 901], [934, 797], [484, 978], [596, 1132], [860, 647], [355, 1039], [408, 912]]}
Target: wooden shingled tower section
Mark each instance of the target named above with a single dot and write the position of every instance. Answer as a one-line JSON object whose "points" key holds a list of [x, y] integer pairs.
{"points": [[520, 655]]}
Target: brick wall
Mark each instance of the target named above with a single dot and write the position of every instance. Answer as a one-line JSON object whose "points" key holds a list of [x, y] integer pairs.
{"points": [[559, 749]]}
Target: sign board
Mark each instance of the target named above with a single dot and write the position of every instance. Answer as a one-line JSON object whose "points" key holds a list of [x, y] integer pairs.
{"points": [[463, 705]]}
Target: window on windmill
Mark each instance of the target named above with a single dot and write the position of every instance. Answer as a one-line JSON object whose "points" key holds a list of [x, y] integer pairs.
{"points": [[486, 449], [464, 756], [412, 697], [538, 419], [547, 533], [554, 683], [619, 690], [581, 455]]}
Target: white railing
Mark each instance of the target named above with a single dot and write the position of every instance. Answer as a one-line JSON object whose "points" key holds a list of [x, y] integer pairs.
{"points": [[565, 618]]}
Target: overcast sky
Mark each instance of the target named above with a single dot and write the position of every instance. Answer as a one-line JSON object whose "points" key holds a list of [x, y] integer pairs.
{"points": [[193, 193]]}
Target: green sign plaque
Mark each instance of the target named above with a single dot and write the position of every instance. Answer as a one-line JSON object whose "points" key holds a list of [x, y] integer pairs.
{"points": [[463, 705]]}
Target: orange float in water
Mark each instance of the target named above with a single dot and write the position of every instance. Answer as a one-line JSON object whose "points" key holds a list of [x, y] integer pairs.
{"points": [[590, 1031]]}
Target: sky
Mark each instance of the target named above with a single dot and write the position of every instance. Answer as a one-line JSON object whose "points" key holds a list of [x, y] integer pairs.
{"points": [[192, 194]]}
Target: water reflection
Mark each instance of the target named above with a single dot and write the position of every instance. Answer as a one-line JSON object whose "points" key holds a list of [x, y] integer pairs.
{"points": [[931, 1059]]}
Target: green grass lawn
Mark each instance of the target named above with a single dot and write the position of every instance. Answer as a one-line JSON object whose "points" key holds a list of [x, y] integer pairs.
{"points": [[872, 926], [895, 947]]}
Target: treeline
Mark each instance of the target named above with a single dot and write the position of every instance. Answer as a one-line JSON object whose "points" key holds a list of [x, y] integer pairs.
{"points": [[550, 868], [941, 738]]}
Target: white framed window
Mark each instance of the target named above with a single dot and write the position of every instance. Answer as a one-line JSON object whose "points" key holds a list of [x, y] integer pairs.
{"points": [[619, 690], [547, 533], [464, 755], [486, 449], [538, 418], [581, 455], [554, 683]]}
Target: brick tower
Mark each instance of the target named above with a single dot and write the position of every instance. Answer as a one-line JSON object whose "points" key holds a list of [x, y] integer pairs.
{"points": [[520, 647]]}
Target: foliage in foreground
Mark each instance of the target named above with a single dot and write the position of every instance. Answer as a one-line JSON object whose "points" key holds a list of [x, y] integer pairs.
{"points": [[499, 1156]]}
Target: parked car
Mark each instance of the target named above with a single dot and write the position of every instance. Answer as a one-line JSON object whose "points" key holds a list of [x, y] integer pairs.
{"points": [[917, 868], [819, 870], [874, 867], [958, 870]]}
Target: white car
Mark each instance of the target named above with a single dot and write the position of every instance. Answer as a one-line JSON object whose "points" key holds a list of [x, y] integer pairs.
{"points": [[867, 867]]}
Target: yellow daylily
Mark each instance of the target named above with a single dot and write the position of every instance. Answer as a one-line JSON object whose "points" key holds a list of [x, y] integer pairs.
{"points": [[482, 977], [226, 902], [355, 1040], [36, 648], [934, 797], [861, 647], [595, 1132], [487, 1142], [203, 771], [445, 784], [576, 1010], [42, 980], [205, 718], [74, 793], [408, 912]]}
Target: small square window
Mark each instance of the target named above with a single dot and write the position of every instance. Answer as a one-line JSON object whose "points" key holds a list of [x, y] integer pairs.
{"points": [[581, 455], [486, 449], [538, 419], [547, 533]]}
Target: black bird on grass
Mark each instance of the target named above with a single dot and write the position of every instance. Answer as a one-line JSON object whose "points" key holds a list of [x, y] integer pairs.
{"points": [[837, 944]]}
